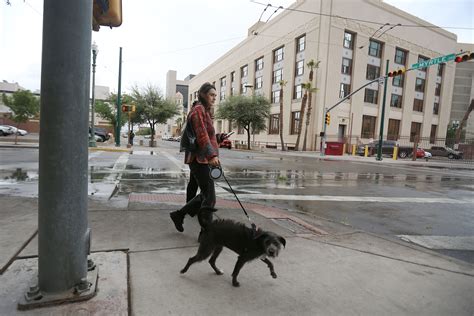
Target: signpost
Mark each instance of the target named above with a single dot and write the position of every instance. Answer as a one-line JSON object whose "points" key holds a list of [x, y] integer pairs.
{"points": [[434, 61]]}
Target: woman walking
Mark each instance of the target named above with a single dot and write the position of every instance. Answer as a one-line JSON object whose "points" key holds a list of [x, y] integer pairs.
{"points": [[206, 155]]}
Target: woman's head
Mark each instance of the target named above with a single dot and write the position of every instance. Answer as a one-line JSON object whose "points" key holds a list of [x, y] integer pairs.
{"points": [[207, 94]]}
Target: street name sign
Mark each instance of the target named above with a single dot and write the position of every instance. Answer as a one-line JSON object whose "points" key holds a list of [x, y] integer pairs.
{"points": [[434, 61]]}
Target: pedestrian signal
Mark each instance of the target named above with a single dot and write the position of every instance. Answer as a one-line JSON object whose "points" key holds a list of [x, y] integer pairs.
{"points": [[125, 108], [106, 13]]}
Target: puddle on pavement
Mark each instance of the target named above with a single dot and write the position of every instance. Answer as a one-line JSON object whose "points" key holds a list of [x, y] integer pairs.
{"points": [[17, 175]]}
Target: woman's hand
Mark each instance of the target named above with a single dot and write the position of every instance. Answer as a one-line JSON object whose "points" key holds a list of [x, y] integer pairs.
{"points": [[214, 162]]}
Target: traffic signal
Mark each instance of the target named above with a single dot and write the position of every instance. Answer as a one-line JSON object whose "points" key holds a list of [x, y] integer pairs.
{"points": [[328, 118], [125, 108], [106, 13], [464, 57], [397, 72]]}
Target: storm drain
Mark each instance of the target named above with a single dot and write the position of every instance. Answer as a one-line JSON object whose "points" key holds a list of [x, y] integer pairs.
{"points": [[291, 226]]}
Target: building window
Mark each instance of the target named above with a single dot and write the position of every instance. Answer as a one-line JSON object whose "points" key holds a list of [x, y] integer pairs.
{"points": [[440, 70], [433, 133], [393, 129], [232, 76], [232, 91], [274, 124], [368, 126], [420, 85], [298, 92], [244, 71], [222, 94], [438, 89], [396, 101], [299, 69], [422, 59], [278, 55], [398, 81], [345, 90], [415, 131], [400, 56], [418, 105], [300, 43], [258, 82], [371, 96], [375, 48], [277, 75], [295, 122], [346, 66], [276, 96], [349, 40], [372, 72], [436, 108], [240, 129], [259, 64]]}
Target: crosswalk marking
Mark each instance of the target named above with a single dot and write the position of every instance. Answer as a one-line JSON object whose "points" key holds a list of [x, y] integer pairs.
{"points": [[442, 242], [338, 198]]}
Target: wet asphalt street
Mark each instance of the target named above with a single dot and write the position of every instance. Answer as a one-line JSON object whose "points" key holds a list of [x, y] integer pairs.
{"points": [[396, 201]]}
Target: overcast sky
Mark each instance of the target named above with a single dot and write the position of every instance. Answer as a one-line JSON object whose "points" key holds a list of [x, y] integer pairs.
{"points": [[183, 35]]}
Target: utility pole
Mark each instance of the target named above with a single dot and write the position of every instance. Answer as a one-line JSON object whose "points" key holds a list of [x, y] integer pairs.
{"points": [[119, 102], [63, 233], [382, 116]]}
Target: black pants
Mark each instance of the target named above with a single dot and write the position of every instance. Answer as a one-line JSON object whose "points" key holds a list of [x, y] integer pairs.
{"points": [[204, 203]]}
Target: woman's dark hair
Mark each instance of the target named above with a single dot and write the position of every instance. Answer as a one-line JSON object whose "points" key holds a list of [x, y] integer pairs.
{"points": [[203, 91]]}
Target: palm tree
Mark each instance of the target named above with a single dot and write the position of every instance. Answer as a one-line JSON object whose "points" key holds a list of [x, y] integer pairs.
{"points": [[300, 123], [282, 84], [309, 91]]}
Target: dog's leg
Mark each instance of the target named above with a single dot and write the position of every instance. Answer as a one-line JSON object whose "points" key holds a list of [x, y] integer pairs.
{"points": [[212, 261], [238, 265], [203, 253], [270, 266]]}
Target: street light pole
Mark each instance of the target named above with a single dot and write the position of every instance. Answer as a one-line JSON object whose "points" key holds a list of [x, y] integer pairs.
{"points": [[95, 51]]}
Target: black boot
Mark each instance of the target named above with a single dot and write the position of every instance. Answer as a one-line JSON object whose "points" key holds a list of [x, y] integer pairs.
{"points": [[177, 219]]}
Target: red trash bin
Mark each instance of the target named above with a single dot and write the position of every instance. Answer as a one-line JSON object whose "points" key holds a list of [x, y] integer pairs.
{"points": [[334, 148]]}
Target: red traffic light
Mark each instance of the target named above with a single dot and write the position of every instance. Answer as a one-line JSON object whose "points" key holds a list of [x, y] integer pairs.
{"points": [[124, 108], [395, 73], [463, 58]]}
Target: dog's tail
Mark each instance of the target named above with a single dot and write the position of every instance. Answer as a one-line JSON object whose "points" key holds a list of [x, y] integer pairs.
{"points": [[205, 216]]}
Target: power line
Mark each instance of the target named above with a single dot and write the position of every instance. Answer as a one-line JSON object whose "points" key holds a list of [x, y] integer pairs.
{"points": [[361, 20]]}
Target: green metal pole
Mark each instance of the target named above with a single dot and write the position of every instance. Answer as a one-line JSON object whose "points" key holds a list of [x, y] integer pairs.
{"points": [[382, 117], [119, 103]]}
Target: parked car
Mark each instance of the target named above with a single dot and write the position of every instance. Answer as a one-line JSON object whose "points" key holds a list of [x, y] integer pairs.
{"points": [[102, 132], [442, 151], [421, 153], [18, 131], [226, 143], [387, 147], [5, 130]]}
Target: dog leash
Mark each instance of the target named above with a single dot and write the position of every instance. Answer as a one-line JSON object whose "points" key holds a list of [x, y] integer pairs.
{"points": [[254, 227]]}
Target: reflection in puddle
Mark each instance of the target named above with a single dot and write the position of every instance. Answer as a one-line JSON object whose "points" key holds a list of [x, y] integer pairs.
{"points": [[19, 175]]}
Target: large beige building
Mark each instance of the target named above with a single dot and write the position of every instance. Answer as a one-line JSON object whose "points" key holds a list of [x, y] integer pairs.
{"points": [[352, 50]]}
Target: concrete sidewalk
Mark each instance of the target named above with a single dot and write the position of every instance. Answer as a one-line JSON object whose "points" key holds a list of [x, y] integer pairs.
{"points": [[324, 270]]}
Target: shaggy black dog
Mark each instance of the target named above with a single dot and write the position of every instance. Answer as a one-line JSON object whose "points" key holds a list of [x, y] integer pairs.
{"points": [[247, 242]]}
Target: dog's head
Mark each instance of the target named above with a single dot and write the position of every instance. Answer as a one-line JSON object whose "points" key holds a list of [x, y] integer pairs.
{"points": [[272, 243]]}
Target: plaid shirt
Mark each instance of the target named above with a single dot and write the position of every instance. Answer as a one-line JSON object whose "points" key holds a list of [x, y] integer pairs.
{"points": [[202, 123]]}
